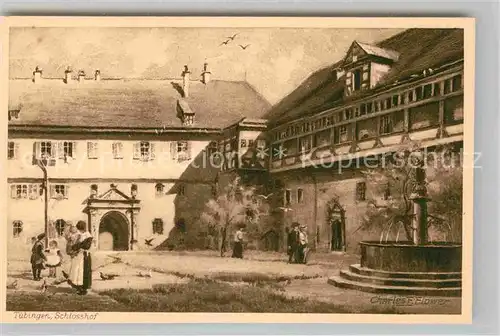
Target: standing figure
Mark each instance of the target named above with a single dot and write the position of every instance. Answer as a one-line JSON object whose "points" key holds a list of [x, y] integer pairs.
{"points": [[80, 275], [303, 245], [293, 243], [54, 258], [238, 243], [38, 257]]}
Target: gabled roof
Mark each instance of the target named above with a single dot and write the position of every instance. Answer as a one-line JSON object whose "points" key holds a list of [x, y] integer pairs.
{"points": [[418, 49], [134, 103], [380, 52]]}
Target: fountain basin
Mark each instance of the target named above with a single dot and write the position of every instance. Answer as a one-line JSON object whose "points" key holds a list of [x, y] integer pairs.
{"points": [[436, 257]]}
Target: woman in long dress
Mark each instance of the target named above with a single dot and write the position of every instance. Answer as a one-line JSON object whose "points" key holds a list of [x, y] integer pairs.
{"points": [[80, 275]]}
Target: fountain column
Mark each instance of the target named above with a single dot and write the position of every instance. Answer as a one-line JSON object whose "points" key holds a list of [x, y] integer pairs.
{"points": [[419, 198]]}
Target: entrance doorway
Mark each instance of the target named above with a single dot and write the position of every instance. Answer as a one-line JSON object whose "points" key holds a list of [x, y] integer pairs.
{"points": [[114, 232], [336, 220], [337, 243]]}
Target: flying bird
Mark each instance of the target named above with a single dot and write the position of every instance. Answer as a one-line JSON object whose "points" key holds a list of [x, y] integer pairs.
{"points": [[148, 241], [232, 37], [225, 43], [244, 47], [107, 276], [13, 285], [264, 196]]}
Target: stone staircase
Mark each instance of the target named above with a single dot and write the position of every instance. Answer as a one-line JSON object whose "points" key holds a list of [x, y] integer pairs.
{"points": [[400, 283]]}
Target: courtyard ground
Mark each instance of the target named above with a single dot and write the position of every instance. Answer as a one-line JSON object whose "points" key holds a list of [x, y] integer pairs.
{"points": [[202, 281]]}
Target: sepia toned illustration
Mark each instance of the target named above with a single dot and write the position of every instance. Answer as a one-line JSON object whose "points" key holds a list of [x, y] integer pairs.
{"points": [[235, 170]]}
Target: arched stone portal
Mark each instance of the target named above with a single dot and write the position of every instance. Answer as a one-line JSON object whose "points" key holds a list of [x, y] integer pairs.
{"points": [[114, 232]]}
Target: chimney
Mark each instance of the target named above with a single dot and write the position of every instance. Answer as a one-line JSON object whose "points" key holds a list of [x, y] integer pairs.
{"points": [[97, 75], [37, 74], [205, 75], [68, 73], [185, 81], [81, 76]]}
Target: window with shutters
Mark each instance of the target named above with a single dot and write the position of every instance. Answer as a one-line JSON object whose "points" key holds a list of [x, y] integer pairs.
{"points": [[46, 150], [17, 228], [92, 150], [33, 191], [59, 191], [117, 148], [183, 151], [144, 151], [157, 226], [19, 191], [12, 150]]}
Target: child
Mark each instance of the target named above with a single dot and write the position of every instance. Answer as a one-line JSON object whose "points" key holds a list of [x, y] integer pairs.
{"points": [[38, 257], [71, 239], [54, 258]]}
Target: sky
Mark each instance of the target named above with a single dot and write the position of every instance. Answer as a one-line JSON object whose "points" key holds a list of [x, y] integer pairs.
{"points": [[276, 61]]}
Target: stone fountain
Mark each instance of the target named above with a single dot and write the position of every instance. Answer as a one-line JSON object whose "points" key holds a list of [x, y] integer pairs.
{"points": [[407, 268]]}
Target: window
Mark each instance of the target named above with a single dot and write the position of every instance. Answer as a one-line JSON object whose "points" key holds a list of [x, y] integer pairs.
{"points": [[60, 225], [288, 197], [456, 83], [251, 143], [340, 134], [12, 150], [243, 143], [447, 86], [183, 151], [182, 190], [159, 187], [66, 149], [362, 109], [427, 91], [419, 93], [388, 103], [93, 190], [305, 144], [386, 124], [322, 138], [92, 150], [436, 89], [59, 191], [46, 149], [357, 79], [17, 228], [144, 151], [117, 148], [188, 119], [423, 116], [300, 195], [360, 191], [24, 191], [454, 110], [395, 100], [157, 226]]}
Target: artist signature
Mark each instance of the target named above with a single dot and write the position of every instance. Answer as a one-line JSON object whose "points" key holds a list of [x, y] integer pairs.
{"points": [[408, 300]]}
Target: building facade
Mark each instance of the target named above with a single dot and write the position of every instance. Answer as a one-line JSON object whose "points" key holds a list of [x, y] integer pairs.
{"points": [[375, 99], [135, 158]]}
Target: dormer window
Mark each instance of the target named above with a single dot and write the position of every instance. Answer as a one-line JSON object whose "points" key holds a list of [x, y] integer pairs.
{"points": [[184, 112], [14, 114], [366, 65]]}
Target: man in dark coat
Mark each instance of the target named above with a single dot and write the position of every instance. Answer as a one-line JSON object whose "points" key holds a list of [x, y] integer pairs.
{"points": [[293, 243], [38, 257]]}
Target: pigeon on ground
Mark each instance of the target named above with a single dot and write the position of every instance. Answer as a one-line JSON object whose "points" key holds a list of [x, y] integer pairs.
{"points": [[107, 276]]}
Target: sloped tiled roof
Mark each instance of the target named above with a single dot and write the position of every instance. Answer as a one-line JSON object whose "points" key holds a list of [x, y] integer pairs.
{"points": [[132, 103], [418, 49], [377, 51]]}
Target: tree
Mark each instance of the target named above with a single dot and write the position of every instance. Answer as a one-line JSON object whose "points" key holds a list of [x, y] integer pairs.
{"points": [[236, 205], [391, 184]]}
